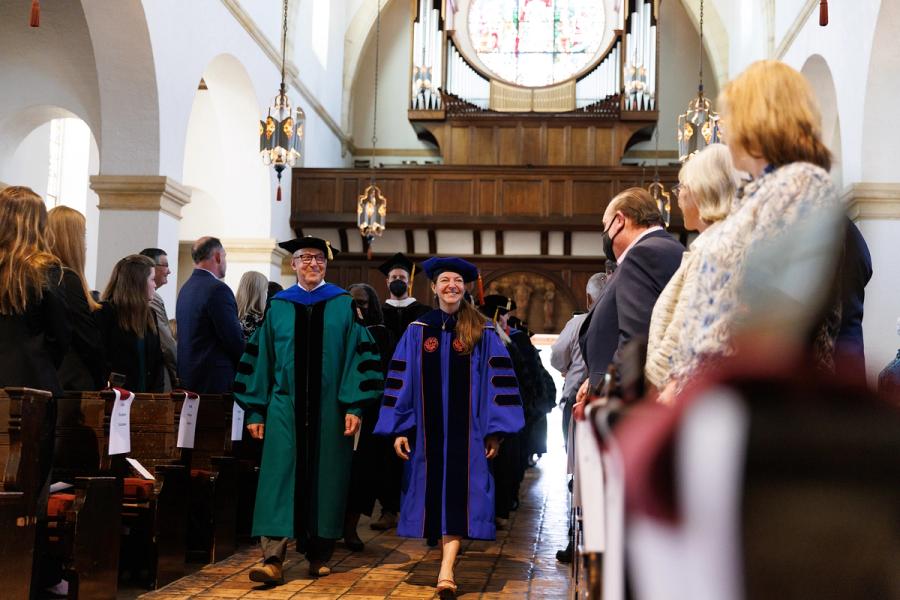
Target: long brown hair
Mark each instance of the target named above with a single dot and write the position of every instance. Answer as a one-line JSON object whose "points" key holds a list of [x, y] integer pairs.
{"points": [[68, 229], [771, 112], [469, 326], [127, 292], [24, 249]]}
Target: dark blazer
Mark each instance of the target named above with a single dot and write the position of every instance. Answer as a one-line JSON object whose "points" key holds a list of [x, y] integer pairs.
{"points": [[623, 310], [856, 271], [32, 345], [83, 367], [126, 353], [210, 339]]}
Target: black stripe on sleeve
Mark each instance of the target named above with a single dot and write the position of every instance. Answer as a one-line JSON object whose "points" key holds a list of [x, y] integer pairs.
{"points": [[369, 365], [244, 368], [364, 347], [500, 362], [371, 385], [390, 401], [504, 381], [238, 387], [508, 400], [398, 365], [252, 349], [393, 383]]}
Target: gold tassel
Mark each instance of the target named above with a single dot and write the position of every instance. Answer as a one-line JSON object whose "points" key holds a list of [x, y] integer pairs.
{"points": [[480, 290], [327, 244], [412, 278], [35, 13]]}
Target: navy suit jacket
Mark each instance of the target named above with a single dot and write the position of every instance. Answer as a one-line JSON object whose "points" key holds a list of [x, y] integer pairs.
{"points": [[210, 340], [622, 312], [856, 271]]}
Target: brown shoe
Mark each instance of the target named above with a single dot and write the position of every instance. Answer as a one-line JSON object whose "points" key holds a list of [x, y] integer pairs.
{"points": [[267, 573], [387, 521], [319, 569]]}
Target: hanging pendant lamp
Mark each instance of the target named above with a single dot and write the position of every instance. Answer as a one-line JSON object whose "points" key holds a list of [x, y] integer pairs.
{"points": [[371, 208], [698, 126], [281, 134]]}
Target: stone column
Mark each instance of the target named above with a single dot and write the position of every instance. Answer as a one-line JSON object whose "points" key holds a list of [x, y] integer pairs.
{"points": [[137, 212], [875, 208]]}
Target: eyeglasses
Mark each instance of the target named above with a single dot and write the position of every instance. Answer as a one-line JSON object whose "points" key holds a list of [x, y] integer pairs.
{"points": [[307, 259], [676, 190]]}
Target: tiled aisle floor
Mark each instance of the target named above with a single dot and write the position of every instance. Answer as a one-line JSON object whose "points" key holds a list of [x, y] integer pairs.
{"points": [[520, 564]]}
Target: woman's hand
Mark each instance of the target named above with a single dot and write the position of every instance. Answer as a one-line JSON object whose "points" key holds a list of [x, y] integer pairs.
{"points": [[256, 430], [491, 446], [583, 392], [401, 447]]}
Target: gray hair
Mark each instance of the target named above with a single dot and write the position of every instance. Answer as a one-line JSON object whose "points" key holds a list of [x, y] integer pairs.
{"points": [[713, 181], [595, 285]]}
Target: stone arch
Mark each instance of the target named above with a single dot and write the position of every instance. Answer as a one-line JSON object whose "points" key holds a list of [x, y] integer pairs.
{"points": [[715, 37], [880, 147], [818, 73]]}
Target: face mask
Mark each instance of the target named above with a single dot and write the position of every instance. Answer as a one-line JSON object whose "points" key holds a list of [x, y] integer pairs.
{"points": [[398, 287], [608, 241]]}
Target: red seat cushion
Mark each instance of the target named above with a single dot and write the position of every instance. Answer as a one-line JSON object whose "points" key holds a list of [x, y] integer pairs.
{"points": [[59, 503], [201, 473], [135, 487]]}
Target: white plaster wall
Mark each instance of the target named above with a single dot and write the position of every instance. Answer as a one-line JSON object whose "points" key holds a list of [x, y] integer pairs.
{"points": [[28, 164]]}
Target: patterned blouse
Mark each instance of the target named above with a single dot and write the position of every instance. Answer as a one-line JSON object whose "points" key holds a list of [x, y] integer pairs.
{"points": [[764, 208], [250, 323]]}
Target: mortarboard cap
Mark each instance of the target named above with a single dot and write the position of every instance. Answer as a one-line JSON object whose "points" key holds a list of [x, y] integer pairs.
{"points": [[310, 242], [397, 261], [436, 265], [496, 305]]}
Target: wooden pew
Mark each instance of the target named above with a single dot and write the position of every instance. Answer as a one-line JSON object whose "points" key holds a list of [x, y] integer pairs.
{"points": [[212, 523], [85, 522], [23, 413]]}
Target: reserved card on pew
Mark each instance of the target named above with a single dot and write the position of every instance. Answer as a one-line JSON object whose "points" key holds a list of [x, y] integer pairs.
{"points": [[187, 424], [141, 469], [59, 486], [120, 423], [237, 423]]}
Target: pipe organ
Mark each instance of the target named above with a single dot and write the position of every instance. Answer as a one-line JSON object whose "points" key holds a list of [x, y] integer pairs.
{"points": [[640, 65], [427, 59], [464, 81]]}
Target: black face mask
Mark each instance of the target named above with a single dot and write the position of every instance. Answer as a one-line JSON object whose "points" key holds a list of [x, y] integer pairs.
{"points": [[398, 287], [608, 241]]}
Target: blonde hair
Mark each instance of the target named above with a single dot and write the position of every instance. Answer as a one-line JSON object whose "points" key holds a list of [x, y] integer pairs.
{"points": [[712, 179], [252, 292], [68, 229], [127, 292], [25, 253], [770, 111]]}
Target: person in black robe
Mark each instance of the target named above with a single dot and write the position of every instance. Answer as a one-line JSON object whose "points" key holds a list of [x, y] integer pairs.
{"points": [[366, 479], [398, 311]]}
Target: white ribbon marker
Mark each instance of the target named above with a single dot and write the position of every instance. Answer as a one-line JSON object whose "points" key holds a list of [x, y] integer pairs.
{"points": [[187, 424], [237, 423], [120, 423]]}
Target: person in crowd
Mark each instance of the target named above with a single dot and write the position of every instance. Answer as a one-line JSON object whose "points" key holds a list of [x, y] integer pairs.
{"points": [[565, 353], [273, 288], [370, 461], [210, 340], [304, 381], [129, 327], [399, 310], [161, 274], [565, 357], [34, 329], [450, 397], [646, 258], [251, 301], [83, 366], [856, 271], [508, 468], [783, 152], [705, 192]]}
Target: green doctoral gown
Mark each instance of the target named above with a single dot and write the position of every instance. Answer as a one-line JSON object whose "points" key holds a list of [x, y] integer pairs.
{"points": [[310, 363]]}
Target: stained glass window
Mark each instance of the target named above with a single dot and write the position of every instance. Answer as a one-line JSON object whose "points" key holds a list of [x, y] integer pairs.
{"points": [[536, 42]]}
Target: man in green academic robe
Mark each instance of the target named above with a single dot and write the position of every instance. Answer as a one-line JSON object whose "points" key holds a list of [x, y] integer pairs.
{"points": [[303, 381]]}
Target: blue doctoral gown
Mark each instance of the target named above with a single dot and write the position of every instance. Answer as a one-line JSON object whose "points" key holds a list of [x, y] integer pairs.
{"points": [[446, 403]]}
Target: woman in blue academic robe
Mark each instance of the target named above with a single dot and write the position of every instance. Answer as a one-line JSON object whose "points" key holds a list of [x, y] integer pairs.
{"points": [[450, 397]]}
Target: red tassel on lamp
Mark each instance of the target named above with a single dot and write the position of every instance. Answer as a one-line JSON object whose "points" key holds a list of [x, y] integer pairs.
{"points": [[823, 13], [35, 13], [278, 193]]}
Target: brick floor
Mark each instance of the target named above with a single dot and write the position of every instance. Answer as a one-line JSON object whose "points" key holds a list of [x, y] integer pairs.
{"points": [[520, 564]]}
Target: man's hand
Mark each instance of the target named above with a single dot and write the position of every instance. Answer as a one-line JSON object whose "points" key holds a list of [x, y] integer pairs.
{"points": [[582, 395], [256, 430], [351, 424], [491, 446], [401, 447]]}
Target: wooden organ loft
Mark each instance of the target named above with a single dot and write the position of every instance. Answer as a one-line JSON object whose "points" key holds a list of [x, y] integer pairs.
{"points": [[527, 170]]}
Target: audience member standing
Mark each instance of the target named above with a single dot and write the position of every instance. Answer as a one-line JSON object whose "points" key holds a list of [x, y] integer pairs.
{"points": [[856, 271], [251, 301], [167, 341], [210, 339], [707, 185], [399, 310], [370, 463], [646, 257], [83, 366], [306, 377], [129, 327]]}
